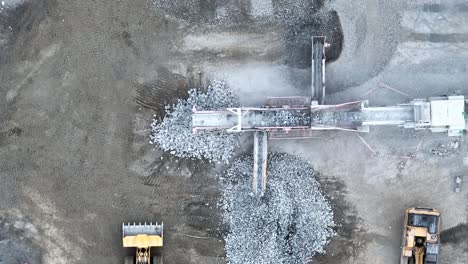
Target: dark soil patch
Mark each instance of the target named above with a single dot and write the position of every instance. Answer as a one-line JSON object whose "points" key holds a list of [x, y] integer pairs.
{"points": [[298, 38], [348, 241], [455, 235]]}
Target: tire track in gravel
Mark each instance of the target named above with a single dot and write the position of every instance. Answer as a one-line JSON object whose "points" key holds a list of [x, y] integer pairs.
{"points": [[77, 115]]}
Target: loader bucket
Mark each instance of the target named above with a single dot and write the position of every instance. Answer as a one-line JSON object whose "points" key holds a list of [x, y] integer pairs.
{"points": [[142, 235]]}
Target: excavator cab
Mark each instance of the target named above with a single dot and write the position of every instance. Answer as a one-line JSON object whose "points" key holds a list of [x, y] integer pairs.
{"points": [[421, 236], [143, 237]]}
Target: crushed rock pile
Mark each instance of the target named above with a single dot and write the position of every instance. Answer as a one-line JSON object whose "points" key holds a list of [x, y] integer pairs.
{"points": [[15, 246], [174, 133], [290, 224]]}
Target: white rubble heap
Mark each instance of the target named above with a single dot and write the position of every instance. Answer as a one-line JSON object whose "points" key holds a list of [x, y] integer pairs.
{"points": [[174, 133], [290, 224]]}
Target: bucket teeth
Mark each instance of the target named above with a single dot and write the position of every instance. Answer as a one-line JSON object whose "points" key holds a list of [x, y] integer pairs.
{"points": [[142, 228]]}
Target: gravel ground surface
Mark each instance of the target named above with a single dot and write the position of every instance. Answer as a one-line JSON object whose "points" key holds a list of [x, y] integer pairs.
{"points": [[75, 158], [290, 224], [174, 133]]}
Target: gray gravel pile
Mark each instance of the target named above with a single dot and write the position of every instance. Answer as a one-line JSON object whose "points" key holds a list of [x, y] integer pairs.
{"points": [[290, 224], [174, 133], [228, 12], [15, 247]]}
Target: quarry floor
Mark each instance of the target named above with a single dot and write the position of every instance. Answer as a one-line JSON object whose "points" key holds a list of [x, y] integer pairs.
{"points": [[81, 81]]}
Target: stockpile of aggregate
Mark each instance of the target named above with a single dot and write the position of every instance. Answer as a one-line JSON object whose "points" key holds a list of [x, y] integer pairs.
{"points": [[16, 246], [290, 224], [174, 134]]}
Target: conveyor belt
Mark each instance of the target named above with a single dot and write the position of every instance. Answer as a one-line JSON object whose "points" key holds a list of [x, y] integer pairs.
{"points": [[248, 119], [260, 162], [251, 119], [318, 69], [389, 115]]}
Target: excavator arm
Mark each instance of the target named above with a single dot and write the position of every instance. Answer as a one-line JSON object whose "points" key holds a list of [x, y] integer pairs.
{"points": [[419, 255]]}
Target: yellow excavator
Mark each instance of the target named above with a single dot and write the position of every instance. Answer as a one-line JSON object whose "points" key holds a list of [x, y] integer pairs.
{"points": [[421, 241], [143, 237]]}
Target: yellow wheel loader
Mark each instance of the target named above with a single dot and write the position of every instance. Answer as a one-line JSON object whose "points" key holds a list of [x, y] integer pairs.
{"points": [[421, 240], [143, 237]]}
